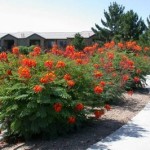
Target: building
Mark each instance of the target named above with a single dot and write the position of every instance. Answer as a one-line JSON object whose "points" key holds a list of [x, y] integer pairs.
{"points": [[43, 39]]}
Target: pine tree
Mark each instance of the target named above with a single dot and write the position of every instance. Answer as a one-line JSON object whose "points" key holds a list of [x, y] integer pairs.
{"points": [[78, 42], [145, 37], [132, 26], [111, 27], [120, 26]]}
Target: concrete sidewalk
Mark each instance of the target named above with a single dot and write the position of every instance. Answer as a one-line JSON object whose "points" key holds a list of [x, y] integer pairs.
{"points": [[135, 135]]}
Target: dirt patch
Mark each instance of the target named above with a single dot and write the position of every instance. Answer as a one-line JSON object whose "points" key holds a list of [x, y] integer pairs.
{"points": [[111, 121]]}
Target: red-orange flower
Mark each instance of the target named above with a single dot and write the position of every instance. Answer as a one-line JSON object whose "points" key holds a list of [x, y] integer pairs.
{"points": [[96, 66], [9, 72], [70, 83], [138, 71], [120, 45], [49, 77], [110, 55], [79, 61], [36, 50], [71, 120], [15, 50], [107, 107], [79, 107], [57, 107], [24, 72], [3, 56], [98, 74], [102, 83], [48, 64], [130, 92], [44, 80], [125, 77], [37, 88], [146, 48], [60, 64], [98, 89], [28, 62], [136, 79], [67, 77], [97, 114]]}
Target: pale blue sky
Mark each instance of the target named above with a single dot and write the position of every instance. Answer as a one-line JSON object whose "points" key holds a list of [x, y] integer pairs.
{"points": [[60, 15]]}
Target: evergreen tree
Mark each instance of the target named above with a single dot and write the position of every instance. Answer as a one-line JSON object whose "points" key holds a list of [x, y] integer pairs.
{"points": [[119, 26], [145, 37], [78, 42], [131, 26], [111, 27]]}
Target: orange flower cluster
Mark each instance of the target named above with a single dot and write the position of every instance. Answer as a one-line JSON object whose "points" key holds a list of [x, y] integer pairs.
{"points": [[15, 50], [48, 64], [28, 62], [79, 107], [109, 45], [36, 50], [57, 107], [102, 83], [126, 63], [67, 77], [125, 77], [96, 66], [138, 71], [71, 120], [110, 55], [98, 90], [60, 64], [49, 77], [70, 83], [3, 56], [98, 74], [90, 49], [69, 50], [56, 51], [79, 61], [133, 46], [9, 72], [107, 107], [146, 48], [98, 113], [37, 88], [101, 50], [130, 92], [136, 79], [24, 72], [120, 45]]}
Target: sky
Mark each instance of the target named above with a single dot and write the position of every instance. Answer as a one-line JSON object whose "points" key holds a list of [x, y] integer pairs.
{"points": [[60, 15]]}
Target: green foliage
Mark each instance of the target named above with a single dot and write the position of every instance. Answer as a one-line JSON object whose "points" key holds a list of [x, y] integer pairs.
{"points": [[27, 111], [119, 26], [78, 42], [26, 50]]}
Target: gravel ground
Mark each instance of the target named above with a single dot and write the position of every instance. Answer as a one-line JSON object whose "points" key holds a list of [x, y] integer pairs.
{"points": [[111, 121]]}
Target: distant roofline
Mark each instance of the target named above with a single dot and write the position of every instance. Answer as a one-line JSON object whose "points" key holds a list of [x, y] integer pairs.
{"points": [[27, 34]]}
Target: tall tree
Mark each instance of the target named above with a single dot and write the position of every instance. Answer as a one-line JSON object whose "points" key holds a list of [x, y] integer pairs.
{"points": [[119, 26], [78, 42], [145, 37], [111, 24], [132, 26]]}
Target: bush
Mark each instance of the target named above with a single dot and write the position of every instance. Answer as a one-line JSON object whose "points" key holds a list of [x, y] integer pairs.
{"points": [[26, 50], [54, 93]]}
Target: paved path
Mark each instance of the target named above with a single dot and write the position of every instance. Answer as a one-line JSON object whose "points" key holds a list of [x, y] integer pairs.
{"points": [[135, 135]]}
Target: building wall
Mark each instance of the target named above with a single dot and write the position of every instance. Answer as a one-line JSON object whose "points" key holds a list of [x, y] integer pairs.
{"points": [[35, 37], [22, 42], [8, 37]]}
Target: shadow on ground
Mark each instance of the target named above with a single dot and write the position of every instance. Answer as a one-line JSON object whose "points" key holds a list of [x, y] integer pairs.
{"points": [[129, 130]]}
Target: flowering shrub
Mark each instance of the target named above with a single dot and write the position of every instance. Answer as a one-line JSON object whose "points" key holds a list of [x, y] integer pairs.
{"points": [[55, 92]]}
